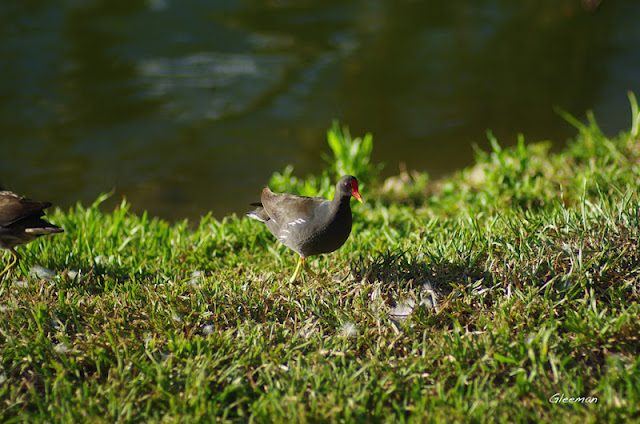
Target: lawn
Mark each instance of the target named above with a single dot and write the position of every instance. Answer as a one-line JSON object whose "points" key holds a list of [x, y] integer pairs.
{"points": [[508, 292]]}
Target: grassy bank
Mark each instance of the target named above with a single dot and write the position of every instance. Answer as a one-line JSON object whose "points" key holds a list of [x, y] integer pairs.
{"points": [[478, 297]]}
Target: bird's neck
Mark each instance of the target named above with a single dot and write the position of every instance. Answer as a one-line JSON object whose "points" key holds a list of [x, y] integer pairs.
{"points": [[341, 202]]}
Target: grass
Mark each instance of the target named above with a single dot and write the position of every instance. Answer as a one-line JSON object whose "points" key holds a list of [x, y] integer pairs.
{"points": [[473, 298]]}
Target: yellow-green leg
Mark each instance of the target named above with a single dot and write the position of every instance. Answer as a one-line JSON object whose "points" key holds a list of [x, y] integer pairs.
{"points": [[302, 262], [310, 271], [15, 257], [297, 271]]}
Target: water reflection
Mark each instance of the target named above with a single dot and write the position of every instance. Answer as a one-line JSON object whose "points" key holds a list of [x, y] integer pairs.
{"points": [[186, 107], [460, 68]]}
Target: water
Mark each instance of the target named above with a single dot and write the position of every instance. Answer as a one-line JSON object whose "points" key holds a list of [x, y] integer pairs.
{"points": [[188, 107]]}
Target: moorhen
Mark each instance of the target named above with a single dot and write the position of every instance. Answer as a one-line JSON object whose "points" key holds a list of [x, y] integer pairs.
{"points": [[309, 225], [20, 223]]}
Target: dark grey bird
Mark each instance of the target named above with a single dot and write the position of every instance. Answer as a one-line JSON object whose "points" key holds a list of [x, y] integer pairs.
{"points": [[309, 225], [20, 223]]}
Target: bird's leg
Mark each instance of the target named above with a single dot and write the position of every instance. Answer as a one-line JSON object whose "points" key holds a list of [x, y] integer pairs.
{"points": [[4, 272], [310, 271], [297, 271], [15, 257]]}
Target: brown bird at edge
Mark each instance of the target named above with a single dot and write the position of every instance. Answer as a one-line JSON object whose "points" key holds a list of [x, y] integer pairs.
{"points": [[309, 225], [21, 223]]}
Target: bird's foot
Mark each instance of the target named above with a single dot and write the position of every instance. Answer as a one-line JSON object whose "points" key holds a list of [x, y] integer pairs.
{"points": [[15, 257]]}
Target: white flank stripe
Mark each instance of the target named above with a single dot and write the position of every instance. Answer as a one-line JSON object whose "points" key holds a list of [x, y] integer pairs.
{"points": [[254, 216]]}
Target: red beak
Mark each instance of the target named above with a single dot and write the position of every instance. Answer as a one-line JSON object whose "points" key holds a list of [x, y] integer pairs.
{"points": [[354, 191]]}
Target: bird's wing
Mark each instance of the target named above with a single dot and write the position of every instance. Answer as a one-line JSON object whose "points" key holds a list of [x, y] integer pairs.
{"points": [[283, 207], [14, 208]]}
